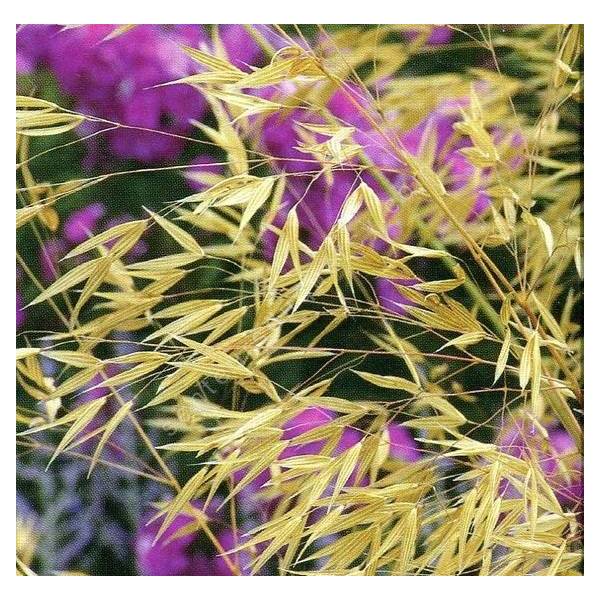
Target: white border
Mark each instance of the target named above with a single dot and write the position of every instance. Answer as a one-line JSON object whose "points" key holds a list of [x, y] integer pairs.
{"points": [[304, 11], [307, 11]]}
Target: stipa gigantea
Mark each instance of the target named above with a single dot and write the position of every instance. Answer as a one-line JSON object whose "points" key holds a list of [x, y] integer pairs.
{"points": [[368, 346]]}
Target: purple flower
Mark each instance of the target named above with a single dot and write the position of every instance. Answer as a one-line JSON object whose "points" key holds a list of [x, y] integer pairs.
{"points": [[32, 45], [305, 421], [176, 554], [179, 555], [240, 559], [319, 197], [317, 203], [278, 140], [242, 50], [458, 174], [439, 123], [438, 36], [115, 79], [402, 444], [345, 103], [389, 296], [171, 554], [557, 455], [81, 223]]}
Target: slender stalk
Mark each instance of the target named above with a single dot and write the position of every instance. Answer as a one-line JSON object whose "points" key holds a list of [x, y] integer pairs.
{"points": [[490, 269], [118, 466]]}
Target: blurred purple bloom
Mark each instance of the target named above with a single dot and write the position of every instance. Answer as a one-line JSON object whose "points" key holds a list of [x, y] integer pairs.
{"points": [[402, 444], [174, 554], [557, 456], [456, 171], [318, 198], [241, 559], [242, 50], [303, 422], [169, 556], [79, 225], [438, 36], [278, 137], [345, 103], [114, 79], [32, 45], [389, 296], [439, 123]]}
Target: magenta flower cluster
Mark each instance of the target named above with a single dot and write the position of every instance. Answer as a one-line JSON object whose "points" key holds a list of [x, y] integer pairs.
{"points": [[175, 554], [556, 453], [78, 227], [118, 76], [318, 195], [115, 79]]}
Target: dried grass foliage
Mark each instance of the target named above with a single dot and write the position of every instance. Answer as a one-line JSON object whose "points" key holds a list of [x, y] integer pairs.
{"points": [[408, 519]]}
